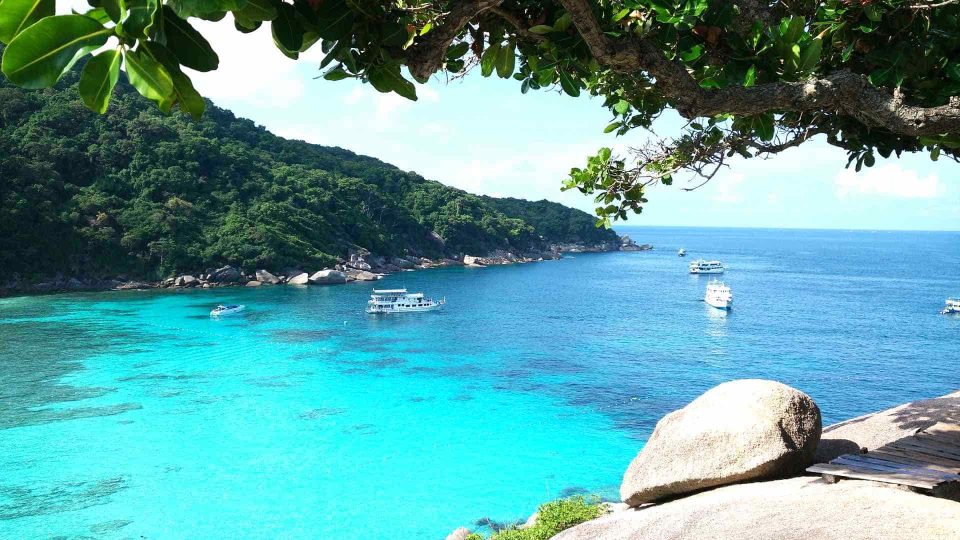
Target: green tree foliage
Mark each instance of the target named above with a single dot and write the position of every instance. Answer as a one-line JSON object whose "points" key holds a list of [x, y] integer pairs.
{"points": [[753, 77], [139, 192]]}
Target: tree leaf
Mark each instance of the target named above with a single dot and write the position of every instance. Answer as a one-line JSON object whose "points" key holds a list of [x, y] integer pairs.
{"points": [[621, 107], [387, 78], [17, 15], [612, 127], [41, 53], [287, 30], [505, 61], [336, 19], [750, 78], [811, 56], [150, 78], [541, 29], [488, 60], [189, 47], [257, 11], [187, 97], [98, 79], [336, 74], [116, 9], [139, 19], [568, 84]]}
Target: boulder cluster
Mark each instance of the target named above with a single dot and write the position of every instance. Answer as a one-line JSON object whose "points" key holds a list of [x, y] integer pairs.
{"points": [[731, 465]]}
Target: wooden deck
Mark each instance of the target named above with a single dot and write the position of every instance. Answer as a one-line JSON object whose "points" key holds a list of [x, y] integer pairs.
{"points": [[927, 462]]}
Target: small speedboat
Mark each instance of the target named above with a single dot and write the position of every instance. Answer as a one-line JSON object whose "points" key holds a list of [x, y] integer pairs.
{"points": [[952, 307], [682, 253], [222, 310]]}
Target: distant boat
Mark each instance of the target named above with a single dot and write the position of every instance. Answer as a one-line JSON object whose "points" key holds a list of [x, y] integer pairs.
{"points": [[701, 266], [401, 301], [222, 310], [682, 253], [953, 306], [718, 295]]}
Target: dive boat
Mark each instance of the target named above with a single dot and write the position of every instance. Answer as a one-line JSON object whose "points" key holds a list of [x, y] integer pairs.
{"points": [[701, 266], [718, 295], [226, 310], [682, 253], [953, 306], [401, 301]]}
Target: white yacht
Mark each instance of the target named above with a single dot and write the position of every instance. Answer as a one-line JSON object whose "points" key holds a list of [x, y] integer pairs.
{"points": [[718, 295], [226, 310], [701, 266], [953, 306], [401, 301], [682, 253]]}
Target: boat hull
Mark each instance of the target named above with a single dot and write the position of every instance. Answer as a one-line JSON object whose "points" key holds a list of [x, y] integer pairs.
{"points": [[227, 312], [417, 309], [712, 271], [719, 304]]}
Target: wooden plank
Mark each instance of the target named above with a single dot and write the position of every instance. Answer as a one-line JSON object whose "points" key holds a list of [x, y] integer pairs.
{"points": [[918, 460], [908, 444], [936, 442], [882, 465], [889, 478]]}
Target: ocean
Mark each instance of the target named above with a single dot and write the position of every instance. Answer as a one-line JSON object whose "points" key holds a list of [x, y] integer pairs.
{"points": [[136, 415]]}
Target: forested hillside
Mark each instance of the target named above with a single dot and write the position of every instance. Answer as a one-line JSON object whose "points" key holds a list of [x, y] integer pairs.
{"points": [[145, 194]]}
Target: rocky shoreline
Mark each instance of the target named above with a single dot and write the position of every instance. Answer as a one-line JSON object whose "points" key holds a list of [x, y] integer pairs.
{"points": [[731, 465], [360, 265]]}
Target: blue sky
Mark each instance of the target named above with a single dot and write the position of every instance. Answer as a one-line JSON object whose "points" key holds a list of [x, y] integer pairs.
{"points": [[484, 136]]}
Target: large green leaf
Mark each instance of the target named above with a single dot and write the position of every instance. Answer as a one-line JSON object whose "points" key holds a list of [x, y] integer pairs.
{"points": [[189, 47], [98, 79], [150, 78], [488, 60], [204, 8], [17, 15], [505, 61], [335, 19], [568, 84], [187, 97], [811, 56], [116, 9], [387, 78], [287, 30], [256, 11], [39, 55], [140, 18]]}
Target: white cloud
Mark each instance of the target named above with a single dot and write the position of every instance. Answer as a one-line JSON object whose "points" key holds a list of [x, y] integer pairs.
{"points": [[727, 190], [889, 180]]}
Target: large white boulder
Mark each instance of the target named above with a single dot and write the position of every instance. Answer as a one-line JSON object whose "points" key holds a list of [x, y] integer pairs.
{"points": [[266, 277], [460, 533], [738, 431], [328, 277], [803, 508], [299, 279]]}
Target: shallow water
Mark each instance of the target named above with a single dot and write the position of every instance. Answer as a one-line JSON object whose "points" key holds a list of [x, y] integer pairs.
{"points": [[130, 414]]}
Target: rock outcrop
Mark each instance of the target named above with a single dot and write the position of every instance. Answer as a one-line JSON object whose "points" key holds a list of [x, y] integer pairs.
{"points": [[266, 277], [804, 508], [874, 430], [225, 274], [461, 533], [738, 431], [299, 279], [470, 260], [328, 277]]}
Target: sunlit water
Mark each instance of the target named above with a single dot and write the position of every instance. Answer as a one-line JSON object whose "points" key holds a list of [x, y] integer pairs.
{"points": [[133, 414]]}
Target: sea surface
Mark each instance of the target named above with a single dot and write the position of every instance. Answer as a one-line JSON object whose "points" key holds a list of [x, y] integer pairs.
{"points": [[136, 415]]}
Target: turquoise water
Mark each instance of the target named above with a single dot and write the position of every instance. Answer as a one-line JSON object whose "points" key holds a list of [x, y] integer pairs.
{"points": [[133, 414]]}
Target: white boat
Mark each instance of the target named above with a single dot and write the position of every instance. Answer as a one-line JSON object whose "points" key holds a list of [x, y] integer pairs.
{"points": [[226, 310], [953, 306], [701, 266], [718, 295], [682, 253], [401, 301]]}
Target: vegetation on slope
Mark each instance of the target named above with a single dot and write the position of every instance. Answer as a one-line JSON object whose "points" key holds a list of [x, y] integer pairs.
{"points": [[140, 193], [552, 517]]}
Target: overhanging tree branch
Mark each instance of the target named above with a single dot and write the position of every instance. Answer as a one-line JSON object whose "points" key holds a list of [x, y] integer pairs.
{"points": [[426, 57], [841, 90]]}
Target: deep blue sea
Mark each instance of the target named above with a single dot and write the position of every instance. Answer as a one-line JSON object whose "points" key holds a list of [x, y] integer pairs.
{"points": [[134, 415]]}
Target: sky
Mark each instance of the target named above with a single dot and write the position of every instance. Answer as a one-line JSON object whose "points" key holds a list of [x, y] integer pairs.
{"points": [[484, 136]]}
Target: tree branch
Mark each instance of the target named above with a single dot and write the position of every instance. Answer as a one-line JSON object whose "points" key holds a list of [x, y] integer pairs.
{"points": [[426, 57], [522, 28], [842, 91]]}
